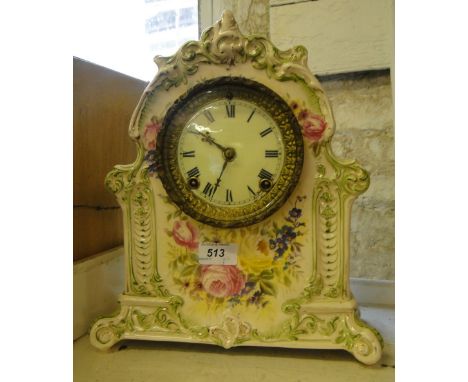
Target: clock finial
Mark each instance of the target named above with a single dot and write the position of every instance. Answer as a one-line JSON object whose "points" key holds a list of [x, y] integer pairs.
{"points": [[227, 18]]}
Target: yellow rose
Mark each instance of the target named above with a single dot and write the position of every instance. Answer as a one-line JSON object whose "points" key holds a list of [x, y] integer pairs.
{"points": [[255, 256]]}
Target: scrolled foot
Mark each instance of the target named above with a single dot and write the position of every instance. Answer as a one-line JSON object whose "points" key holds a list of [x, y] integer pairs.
{"points": [[106, 332], [367, 350], [367, 342]]}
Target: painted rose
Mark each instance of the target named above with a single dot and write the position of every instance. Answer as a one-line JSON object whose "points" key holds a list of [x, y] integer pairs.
{"points": [[313, 125], [151, 131], [262, 246], [185, 234], [222, 280], [256, 256]]}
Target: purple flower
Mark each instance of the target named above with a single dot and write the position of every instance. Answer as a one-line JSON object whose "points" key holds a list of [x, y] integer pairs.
{"points": [[272, 244], [255, 298], [249, 285], [150, 157], [280, 250], [286, 230], [295, 213]]}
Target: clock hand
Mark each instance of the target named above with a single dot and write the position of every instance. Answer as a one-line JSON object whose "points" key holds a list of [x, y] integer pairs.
{"points": [[218, 181], [207, 138], [229, 154]]}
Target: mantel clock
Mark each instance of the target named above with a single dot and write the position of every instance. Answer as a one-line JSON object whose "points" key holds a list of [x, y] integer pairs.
{"points": [[236, 212]]}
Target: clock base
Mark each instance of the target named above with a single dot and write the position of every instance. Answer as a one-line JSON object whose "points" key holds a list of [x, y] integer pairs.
{"points": [[318, 325]]}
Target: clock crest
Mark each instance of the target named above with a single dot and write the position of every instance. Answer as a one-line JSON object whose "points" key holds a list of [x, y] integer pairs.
{"points": [[236, 211]]}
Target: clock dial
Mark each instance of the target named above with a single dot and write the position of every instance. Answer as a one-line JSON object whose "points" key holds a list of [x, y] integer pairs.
{"points": [[231, 152]]}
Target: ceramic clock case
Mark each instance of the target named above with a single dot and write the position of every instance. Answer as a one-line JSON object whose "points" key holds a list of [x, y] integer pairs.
{"points": [[289, 286]]}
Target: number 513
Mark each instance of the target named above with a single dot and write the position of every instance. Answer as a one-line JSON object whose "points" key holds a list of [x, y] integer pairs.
{"points": [[215, 252]]}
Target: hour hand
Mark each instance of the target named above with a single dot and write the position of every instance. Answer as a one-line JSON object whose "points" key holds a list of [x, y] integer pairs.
{"points": [[207, 138]]}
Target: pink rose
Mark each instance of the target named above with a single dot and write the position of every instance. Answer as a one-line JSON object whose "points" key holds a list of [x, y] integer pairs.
{"points": [[151, 131], [313, 125], [185, 234], [303, 114], [222, 280]]}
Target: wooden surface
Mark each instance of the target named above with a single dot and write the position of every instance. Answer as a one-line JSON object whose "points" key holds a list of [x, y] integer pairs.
{"points": [[103, 102]]}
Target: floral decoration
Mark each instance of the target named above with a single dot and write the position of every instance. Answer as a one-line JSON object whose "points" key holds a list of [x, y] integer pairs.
{"points": [[149, 138], [185, 234], [313, 125], [222, 280], [266, 260], [150, 134]]}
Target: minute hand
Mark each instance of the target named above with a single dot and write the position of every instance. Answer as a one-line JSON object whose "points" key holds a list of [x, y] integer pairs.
{"points": [[218, 181]]}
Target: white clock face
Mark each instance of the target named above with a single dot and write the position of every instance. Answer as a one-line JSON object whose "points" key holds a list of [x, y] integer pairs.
{"points": [[232, 151]]}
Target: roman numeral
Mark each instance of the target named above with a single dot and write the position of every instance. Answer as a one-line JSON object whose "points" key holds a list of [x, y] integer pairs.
{"points": [[252, 191], [264, 174], [231, 110], [251, 115], [271, 153], [189, 154], [208, 190], [228, 196], [265, 132], [193, 172], [208, 116]]}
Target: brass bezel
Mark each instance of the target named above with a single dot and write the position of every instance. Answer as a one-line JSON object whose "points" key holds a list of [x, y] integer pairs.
{"points": [[174, 122]]}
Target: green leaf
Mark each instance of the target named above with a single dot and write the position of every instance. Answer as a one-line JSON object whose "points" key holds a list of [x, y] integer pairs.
{"points": [[178, 281], [267, 274], [189, 270], [275, 226], [268, 287], [181, 259]]}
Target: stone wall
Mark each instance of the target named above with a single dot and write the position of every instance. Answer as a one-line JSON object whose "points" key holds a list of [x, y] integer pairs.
{"points": [[363, 107]]}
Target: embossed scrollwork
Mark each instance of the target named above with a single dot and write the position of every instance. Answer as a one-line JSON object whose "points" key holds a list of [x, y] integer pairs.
{"points": [[350, 176], [366, 343], [224, 44], [109, 330], [231, 331], [355, 179]]}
